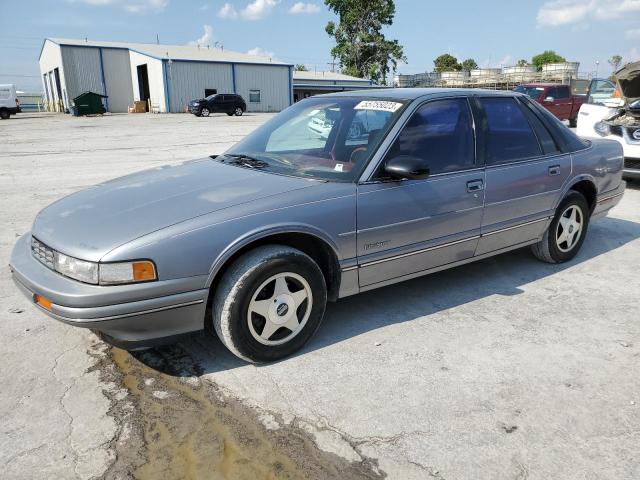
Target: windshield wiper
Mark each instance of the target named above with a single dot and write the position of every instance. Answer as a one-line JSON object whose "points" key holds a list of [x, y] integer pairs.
{"points": [[245, 161]]}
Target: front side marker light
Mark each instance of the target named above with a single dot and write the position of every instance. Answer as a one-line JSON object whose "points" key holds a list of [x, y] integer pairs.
{"points": [[43, 302], [127, 272]]}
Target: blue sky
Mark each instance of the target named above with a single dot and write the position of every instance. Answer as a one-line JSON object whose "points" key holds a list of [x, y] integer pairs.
{"points": [[494, 33]]}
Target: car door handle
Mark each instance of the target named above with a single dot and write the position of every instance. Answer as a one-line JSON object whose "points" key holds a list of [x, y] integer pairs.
{"points": [[555, 170], [475, 186]]}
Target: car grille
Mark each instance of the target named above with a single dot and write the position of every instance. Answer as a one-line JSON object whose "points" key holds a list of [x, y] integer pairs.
{"points": [[42, 253], [632, 163]]}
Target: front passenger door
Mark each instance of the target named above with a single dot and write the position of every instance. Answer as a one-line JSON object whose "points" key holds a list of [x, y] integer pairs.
{"points": [[407, 227]]}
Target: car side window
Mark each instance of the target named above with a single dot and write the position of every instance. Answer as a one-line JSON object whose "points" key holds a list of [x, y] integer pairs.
{"points": [[509, 136], [563, 92], [440, 132], [549, 145], [551, 92]]}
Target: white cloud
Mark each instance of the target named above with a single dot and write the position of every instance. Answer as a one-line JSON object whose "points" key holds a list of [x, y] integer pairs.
{"points": [[260, 52], [564, 12], [206, 38], [634, 33], [228, 11], [133, 6], [259, 9], [308, 8]]}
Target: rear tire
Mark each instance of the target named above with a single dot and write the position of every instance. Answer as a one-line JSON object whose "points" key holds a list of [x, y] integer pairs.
{"points": [[230, 114], [4, 114], [269, 303], [573, 122], [567, 231], [238, 111]]}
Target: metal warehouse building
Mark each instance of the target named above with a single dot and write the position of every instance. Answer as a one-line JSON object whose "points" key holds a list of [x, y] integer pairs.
{"points": [[169, 76], [307, 84]]}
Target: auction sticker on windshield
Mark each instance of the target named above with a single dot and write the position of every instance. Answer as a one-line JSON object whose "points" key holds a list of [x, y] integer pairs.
{"points": [[379, 105]]}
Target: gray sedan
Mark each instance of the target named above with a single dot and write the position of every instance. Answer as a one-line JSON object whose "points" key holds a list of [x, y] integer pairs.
{"points": [[252, 243]]}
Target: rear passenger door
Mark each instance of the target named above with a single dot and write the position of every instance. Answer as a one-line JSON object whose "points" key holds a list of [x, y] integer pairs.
{"points": [[525, 172], [411, 226]]}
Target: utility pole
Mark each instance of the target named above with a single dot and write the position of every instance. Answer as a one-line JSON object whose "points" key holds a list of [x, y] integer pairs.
{"points": [[333, 65], [157, 39]]}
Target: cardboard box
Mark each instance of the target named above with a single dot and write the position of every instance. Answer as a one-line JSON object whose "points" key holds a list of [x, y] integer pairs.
{"points": [[139, 106]]}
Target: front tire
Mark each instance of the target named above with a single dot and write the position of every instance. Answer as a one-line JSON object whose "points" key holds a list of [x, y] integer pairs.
{"points": [[4, 114], [567, 231], [573, 122], [269, 303], [205, 112]]}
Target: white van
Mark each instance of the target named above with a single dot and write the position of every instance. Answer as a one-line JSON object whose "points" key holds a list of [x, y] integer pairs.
{"points": [[9, 103]]}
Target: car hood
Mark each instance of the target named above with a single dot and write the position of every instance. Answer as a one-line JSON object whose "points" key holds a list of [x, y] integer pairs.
{"points": [[90, 223], [629, 80]]}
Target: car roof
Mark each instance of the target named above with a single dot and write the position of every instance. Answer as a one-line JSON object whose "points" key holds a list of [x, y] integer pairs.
{"points": [[415, 93]]}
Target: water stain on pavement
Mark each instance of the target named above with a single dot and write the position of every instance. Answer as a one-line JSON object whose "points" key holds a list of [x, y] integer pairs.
{"points": [[184, 427]]}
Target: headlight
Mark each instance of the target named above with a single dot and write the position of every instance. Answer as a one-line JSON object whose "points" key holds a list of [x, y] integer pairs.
{"points": [[127, 272], [105, 273], [602, 129], [77, 269]]}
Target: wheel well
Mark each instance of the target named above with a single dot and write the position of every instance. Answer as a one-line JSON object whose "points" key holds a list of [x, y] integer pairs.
{"points": [[316, 248], [588, 189]]}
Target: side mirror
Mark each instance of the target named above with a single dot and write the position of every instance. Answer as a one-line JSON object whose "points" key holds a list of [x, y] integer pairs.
{"points": [[404, 166], [549, 99]]}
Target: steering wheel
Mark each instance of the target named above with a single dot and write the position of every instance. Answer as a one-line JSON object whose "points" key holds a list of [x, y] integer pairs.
{"points": [[356, 150]]}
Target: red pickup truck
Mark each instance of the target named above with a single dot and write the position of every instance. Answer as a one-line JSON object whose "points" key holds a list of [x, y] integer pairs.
{"points": [[555, 98]]}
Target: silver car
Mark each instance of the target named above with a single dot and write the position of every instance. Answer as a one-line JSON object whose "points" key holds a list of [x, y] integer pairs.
{"points": [[252, 243]]}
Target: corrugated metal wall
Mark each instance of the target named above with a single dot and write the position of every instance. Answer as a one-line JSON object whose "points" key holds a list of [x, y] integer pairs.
{"points": [[82, 70], [188, 80], [117, 76], [272, 81]]}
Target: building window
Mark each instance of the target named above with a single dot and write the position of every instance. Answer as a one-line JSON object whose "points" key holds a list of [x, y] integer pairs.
{"points": [[254, 96]]}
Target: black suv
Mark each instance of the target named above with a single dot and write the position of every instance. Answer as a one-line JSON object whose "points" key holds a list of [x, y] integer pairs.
{"points": [[228, 103]]}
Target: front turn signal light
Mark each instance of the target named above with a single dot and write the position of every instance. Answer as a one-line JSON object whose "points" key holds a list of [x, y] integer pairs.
{"points": [[127, 272]]}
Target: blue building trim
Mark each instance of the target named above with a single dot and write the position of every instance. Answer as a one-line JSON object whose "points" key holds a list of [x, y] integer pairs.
{"points": [[167, 100], [233, 77], [290, 86], [104, 82]]}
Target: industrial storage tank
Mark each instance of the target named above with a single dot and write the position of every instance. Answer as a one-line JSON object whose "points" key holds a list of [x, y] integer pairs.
{"points": [[454, 78], [560, 70], [525, 73], [404, 81], [485, 75]]}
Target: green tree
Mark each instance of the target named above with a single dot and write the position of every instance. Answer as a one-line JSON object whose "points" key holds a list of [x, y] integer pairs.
{"points": [[469, 64], [522, 63], [361, 47], [300, 68], [548, 56], [447, 63], [615, 62]]}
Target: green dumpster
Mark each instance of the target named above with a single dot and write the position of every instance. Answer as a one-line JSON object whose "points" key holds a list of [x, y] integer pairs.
{"points": [[88, 103]]}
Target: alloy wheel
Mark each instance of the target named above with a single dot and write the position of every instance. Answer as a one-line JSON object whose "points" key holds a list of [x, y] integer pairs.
{"points": [[279, 308], [205, 112], [569, 228]]}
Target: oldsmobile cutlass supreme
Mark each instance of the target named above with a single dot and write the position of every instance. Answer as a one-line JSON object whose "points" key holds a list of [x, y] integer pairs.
{"points": [[252, 243]]}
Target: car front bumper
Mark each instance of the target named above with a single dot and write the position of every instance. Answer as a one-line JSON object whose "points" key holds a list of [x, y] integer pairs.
{"points": [[127, 315]]}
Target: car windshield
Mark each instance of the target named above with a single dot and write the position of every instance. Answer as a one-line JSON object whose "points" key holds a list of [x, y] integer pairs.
{"points": [[329, 138], [211, 97], [531, 92]]}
